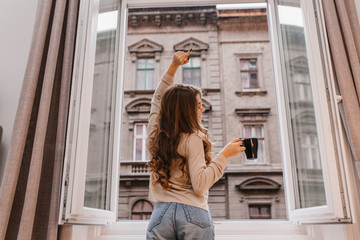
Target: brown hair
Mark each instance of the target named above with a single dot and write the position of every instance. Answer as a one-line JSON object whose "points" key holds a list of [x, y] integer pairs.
{"points": [[178, 114]]}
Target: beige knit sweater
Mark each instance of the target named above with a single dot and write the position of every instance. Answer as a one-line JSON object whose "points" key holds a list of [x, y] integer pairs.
{"points": [[194, 192]]}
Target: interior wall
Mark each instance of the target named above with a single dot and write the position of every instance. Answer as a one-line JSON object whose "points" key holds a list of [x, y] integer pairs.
{"points": [[16, 27]]}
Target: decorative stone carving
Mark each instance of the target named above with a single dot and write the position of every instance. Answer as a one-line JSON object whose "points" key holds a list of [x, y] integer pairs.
{"points": [[258, 184], [145, 48], [141, 105], [253, 114], [134, 21], [202, 18], [198, 47], [158, 20], [178, 19]]}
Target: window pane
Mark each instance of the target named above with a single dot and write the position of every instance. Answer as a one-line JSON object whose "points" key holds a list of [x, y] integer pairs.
{"points": [[252, 64], [140, 81], [197, 77], [260, 155], [247, 132], [244, 65], [141, 210], [102, 113], [258, 131], [310, 182], [141, 63], [150, 63], [245, 80], [187, 76], [192, 72], [265, 211], [254, 212], [138, 129], [254, 80], [138, 149], [149, 79]]}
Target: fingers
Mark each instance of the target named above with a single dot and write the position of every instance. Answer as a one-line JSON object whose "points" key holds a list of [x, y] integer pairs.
{"points": [[188, 53], [236, 140], [181, 57]]}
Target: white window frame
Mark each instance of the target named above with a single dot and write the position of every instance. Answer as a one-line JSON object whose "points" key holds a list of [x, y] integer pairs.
{"points": [[72, 209], [143, 138], [337, 208], [336, 211]]}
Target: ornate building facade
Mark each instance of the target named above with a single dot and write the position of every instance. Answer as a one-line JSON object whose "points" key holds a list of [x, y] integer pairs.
{"points": [[231, 62]]}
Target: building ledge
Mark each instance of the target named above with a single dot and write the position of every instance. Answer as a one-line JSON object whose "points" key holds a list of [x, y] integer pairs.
{"points": [[250, 93]]}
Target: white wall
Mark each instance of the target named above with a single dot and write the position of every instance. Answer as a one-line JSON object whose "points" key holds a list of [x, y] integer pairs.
{"points": [[16, 27]]}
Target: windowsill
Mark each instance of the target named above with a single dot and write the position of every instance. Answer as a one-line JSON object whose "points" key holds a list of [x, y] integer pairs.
{"points": [[253, 168], [250, 93], [224, 229]]}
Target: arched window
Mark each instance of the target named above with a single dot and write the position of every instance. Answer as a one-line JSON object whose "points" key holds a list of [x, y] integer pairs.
{"points": [[141, 210]]}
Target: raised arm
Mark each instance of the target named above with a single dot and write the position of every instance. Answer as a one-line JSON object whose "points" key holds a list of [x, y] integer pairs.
{"points": [[179, 58]]}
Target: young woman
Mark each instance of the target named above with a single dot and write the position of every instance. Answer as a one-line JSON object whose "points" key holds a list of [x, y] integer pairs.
{"points": [[181, 168]]}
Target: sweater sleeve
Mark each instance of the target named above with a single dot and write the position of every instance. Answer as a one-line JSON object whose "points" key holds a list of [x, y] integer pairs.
{"points": [[202, 176], [166, 81]]}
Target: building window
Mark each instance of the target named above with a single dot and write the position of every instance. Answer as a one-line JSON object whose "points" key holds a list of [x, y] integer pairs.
{"points": [[145, 73], [141, 210], [302, 87], [192, 72], [260, 211], [256, 131], [140, 136], [249, 74], [310, 151]]}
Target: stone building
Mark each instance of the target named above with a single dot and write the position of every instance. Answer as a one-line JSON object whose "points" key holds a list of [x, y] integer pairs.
{"points": [[231, 62]]}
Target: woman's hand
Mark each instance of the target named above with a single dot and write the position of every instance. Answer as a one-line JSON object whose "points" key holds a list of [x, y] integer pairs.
{"points": [[233, 148], [179, 58]]}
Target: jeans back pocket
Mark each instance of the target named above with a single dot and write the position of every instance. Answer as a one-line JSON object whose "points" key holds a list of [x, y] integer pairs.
{"points": [[157, 215], [197, 216]]}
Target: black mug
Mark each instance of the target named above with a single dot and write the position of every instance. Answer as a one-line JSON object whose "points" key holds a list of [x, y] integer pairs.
{"points": [[251, 145]]}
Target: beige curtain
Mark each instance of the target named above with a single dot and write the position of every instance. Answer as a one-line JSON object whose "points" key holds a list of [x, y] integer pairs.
{"points": [[30, 189], [342, 24]]}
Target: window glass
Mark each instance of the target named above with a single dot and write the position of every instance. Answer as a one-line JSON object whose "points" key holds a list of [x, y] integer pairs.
{"points": [[140, 136], [192, 72], [300, 106], [102, 112], [145, 73], [141, 210], [259, 211], [248, 74]]}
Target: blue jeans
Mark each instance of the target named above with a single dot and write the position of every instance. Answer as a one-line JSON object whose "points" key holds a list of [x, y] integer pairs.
{"points": [[179, 221]]}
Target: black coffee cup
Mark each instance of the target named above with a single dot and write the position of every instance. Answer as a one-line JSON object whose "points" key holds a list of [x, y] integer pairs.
{"points": [[251, 145]]}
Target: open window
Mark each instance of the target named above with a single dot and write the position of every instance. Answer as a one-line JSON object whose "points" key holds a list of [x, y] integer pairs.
{"points": [[309, 152], [90, 183]]}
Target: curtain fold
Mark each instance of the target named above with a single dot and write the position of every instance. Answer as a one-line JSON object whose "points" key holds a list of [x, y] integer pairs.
{"points": [[30, 188], [342, 25]]}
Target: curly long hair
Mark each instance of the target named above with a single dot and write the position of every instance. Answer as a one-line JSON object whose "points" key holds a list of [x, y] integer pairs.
{"points": [[178, 114]]}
